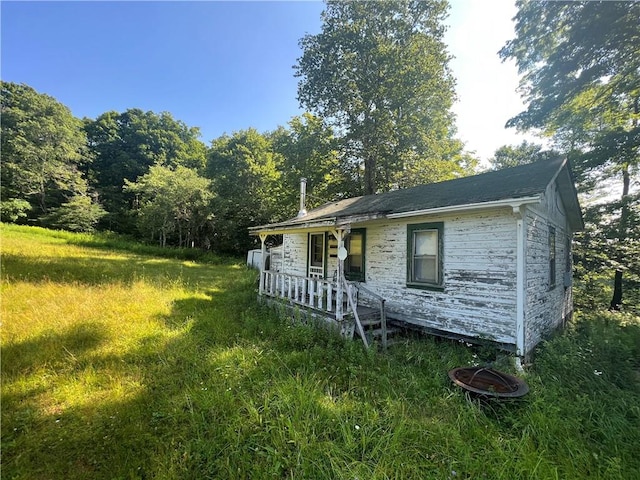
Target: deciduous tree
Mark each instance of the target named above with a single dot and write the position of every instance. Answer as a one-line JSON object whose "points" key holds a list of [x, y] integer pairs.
{"points": [[309, 149], [580, 66], [43, 150], [172, 205], [246, 176], [127, 144], [378, 72], [515, 155]]}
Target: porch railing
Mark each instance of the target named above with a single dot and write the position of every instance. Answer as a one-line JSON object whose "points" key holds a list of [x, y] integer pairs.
{"points": [[317, 293]]}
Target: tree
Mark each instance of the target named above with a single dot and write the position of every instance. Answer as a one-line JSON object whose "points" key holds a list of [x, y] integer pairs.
{"points": [[513, 156], [173, 205], [246, 176], [43, 151], [79, 214], [309, 149], [127, 144], [580, 66], [379, 73]]}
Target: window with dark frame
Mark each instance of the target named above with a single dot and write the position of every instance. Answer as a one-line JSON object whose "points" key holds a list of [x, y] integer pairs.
{"points": [[354, 264], [424, 255]]}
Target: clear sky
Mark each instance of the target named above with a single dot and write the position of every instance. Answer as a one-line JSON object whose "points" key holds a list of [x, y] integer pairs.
{"points": [[228, 66]]}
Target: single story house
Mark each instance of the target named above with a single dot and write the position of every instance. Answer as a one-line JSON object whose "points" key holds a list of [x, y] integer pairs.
{"points": [[480, 257]]}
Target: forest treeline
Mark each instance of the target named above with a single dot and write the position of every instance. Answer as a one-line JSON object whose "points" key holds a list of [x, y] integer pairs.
{"points": [[149, 175]]}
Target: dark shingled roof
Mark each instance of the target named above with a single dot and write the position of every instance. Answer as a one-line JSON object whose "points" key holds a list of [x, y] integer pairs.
{"points": [[509, 183]]}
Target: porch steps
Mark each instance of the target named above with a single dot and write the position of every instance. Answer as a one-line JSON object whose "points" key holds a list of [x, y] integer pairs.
{"points": [[372, 325]]}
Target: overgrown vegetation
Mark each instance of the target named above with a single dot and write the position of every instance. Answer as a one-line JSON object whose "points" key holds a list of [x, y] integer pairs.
{"points": [[120, 364]]}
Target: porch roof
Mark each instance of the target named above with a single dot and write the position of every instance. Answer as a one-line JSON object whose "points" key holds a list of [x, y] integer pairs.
{"points": [[507, 187]]}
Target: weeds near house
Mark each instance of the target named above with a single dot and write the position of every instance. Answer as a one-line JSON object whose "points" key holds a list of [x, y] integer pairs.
{"points": [[120, 364]]}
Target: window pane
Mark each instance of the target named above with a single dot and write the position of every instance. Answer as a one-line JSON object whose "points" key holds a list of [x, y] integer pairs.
{"points": [[355, 263], [317, 250], [355, 244], [426, 243], [425, 269]]}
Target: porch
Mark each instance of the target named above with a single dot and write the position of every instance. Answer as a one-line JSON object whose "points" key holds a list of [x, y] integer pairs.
{"points": [[350, 305]]}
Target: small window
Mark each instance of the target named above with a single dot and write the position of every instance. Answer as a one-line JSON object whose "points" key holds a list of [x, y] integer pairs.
{"points": [[354, 264], [552, 257], [424, 255]]}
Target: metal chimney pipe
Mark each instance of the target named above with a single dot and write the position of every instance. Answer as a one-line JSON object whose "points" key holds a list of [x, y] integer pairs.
{"points": [[303, 197]]}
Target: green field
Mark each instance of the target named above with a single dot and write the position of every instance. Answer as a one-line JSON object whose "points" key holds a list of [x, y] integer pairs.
{"points": [[117, 363]]}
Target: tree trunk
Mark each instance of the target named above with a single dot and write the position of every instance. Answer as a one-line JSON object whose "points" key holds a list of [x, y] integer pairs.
{"points": [[369, 175], [616, 301]]}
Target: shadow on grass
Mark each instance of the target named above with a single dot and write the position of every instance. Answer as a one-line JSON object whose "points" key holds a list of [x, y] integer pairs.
{"points": [[51, 348], [100, 270]]}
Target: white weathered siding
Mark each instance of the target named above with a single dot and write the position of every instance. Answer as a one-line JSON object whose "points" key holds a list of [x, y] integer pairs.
{"points": [[294, 258], [479, 269], [275, 258], [546, 307], [479, 275]]}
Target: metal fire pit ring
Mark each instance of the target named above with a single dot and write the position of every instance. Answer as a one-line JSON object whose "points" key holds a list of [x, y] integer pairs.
{"points": [[489, 382]]}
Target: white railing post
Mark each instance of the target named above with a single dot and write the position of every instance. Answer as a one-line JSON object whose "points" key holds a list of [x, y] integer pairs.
{"points": [[263, 262], [339, 234], [312, 297], [320, 290]]}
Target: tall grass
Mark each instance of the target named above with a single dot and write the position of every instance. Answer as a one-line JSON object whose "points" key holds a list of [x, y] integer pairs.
{"points": [[120, 364]]}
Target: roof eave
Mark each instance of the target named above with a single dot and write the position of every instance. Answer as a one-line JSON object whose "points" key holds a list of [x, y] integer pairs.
{"points": [[508, 202], [284, 227], [338, 222]]}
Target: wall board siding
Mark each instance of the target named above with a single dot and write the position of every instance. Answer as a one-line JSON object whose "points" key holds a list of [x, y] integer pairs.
{"points": [[295, 254], [546, 305], [479, 275]]}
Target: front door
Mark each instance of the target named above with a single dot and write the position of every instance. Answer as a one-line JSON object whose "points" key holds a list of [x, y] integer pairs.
{"points": [[317, 255]]}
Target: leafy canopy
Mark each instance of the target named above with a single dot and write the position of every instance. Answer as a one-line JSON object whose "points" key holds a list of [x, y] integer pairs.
{"points": [[44, 155], [246, 175], [309, 149], [580, 66], [515, 155], [127, 144], [172, 203], [43, 148], [378, 71]]}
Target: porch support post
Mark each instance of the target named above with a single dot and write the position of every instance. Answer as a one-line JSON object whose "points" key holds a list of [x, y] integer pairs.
{"points": [[521, 238], [263, 261], [339, 234]]}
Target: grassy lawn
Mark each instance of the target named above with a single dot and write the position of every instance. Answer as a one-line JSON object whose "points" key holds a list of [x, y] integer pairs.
{"points": [[120, 364]]}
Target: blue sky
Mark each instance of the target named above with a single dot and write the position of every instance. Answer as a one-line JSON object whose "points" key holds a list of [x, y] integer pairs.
{"points": [[226, 66]]}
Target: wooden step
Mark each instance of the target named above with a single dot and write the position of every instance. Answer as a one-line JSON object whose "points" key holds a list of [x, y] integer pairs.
{"points": [[378, 332], [367, 322]]}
